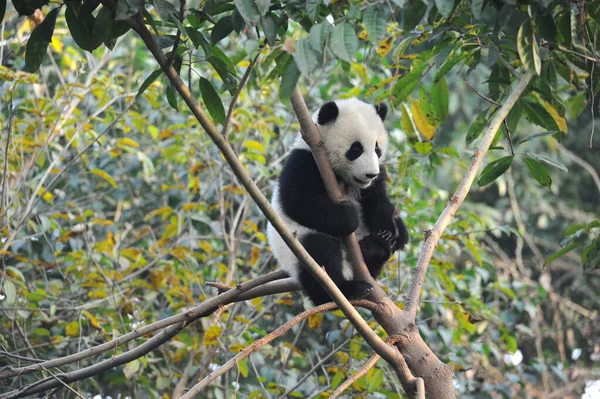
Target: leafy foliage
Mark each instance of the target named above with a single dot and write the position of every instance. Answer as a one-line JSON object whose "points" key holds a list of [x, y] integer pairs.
{"points": [[117, 209]]}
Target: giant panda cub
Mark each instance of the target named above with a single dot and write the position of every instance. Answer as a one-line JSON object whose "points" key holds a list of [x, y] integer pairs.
{"points": [[355, 141]]}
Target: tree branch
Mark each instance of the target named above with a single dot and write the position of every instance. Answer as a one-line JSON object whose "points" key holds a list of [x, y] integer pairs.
{"points": [[433, 236]]}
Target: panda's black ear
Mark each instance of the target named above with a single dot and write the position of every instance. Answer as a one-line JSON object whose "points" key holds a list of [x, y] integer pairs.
{"points": [[328, 113], [382, 110]]}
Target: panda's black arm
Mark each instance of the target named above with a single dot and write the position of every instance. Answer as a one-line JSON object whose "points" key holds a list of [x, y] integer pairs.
{"points": [[304, 199], [377, 209]]}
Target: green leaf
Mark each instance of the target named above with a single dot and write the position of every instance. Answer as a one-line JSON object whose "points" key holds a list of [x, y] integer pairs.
{"points": [[305, 58], [229, 81], [39, 40], [249, 11], [407, 83], [81, 27], [494, 170], [591, 253], [10, 293], [212, 100], [165, 10], [445, 7], [414, 11], [263, 6], [376, 380], [172, 98], [576, 104], [539, 172], [102, 25], [537, 114], [318, 36], [41, 332], [153, 76], [243, 367], [198, 39], [533, 136], [288, 80], [562, 252], [476, 127], [451, 61], [344, 42], [132, 368], [375, 21], [529, 53], [312, 9], [269, 28], [439, 99], [423, 147], [221, 30], [550, 162], [337, 379]]}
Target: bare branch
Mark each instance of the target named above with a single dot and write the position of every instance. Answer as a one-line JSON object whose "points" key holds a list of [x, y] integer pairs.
{"points": [[418, 277]]}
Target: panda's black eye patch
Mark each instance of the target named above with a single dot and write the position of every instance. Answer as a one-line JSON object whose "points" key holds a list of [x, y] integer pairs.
{"points": [[355, 151], [377, 150]]}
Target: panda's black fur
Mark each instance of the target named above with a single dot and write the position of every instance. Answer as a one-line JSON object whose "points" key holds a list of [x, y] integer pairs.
{"points": [[302, 201]]}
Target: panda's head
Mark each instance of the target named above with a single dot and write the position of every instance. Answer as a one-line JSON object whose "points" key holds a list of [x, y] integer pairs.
{"points": [[355, 139]]}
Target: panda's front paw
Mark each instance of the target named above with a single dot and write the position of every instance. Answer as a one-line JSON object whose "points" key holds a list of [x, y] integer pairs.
{"points": [[386, 240], [348, 218]]}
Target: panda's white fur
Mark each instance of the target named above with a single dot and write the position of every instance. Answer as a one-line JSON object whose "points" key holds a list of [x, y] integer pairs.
{"points": [[357, 121]]}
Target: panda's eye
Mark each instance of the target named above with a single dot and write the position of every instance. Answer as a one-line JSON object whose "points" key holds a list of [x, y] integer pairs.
{"points": [[355, 151], [377, 150]]}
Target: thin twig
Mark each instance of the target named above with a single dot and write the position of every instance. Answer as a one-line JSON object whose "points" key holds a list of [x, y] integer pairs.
{"points": [[481, 95], [237, 94]]}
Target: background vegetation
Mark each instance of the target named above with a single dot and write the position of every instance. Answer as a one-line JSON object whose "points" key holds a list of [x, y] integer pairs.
{"points": [[117, 207]]}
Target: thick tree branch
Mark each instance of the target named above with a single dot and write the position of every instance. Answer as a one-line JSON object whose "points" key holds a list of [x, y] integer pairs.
{"points": [[433, 236]]}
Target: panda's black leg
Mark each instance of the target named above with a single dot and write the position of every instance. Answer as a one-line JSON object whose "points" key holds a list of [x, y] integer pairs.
{"points": [[375, 253], [327, 252]]}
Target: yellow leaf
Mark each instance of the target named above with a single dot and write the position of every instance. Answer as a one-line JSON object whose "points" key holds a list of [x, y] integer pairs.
{"points": [[105, 176], [244, 64], [56, 44], [93, 320], [254, 145], [315, 320], [385, 46], [206, 246], [361, 71], [166, 210], [235, 348], [190, 206], [254, 256], [211, 335], [363, 35], [560, 121], [426, 129], [72, 329], [261, 237], [131, 369], [127, 142]]}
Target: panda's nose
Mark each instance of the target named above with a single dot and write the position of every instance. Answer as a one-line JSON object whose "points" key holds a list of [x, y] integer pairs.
{"points": [[371, 175]]}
